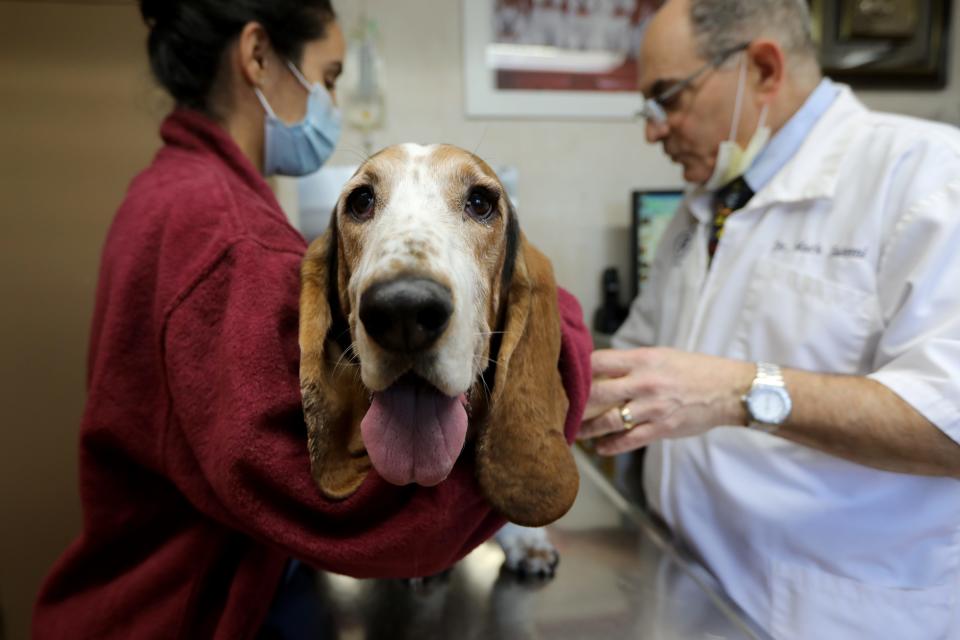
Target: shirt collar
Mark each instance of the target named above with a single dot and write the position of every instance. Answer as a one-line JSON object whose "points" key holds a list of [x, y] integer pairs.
{"points": [[790, 137], [812, 169], [813, 172]]}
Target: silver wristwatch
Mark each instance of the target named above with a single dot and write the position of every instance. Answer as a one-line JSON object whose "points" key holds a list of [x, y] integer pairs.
{"points": [[767, 402]]}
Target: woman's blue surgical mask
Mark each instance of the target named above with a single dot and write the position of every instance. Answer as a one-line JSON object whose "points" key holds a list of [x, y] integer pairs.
{"points": [[301, 149]]}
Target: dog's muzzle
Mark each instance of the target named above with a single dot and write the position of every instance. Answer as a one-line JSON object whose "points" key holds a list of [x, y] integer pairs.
{"points": [[406, 315]]}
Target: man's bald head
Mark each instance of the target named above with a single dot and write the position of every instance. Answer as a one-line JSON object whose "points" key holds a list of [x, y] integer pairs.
{"points": [[719, 25], [669, 42], [714, 52]]}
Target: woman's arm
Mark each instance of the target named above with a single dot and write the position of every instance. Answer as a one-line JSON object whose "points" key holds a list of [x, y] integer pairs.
{"points": [[236, 441]]}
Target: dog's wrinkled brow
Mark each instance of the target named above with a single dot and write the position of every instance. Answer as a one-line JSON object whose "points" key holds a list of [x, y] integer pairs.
{"points": [[464, 171], [380, 171]]}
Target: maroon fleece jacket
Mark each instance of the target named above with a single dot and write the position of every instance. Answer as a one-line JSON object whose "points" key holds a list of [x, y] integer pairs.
{"points": [[194, 473]]}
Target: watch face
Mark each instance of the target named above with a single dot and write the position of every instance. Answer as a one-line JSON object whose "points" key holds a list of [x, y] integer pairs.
{"points": [[769, 404]]}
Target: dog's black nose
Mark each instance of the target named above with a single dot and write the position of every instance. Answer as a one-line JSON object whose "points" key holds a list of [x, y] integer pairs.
{"points": [[407, 314]]}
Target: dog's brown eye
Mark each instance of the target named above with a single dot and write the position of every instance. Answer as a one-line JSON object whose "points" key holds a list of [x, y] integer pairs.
{"points": [[360, 203], [481, 204]]}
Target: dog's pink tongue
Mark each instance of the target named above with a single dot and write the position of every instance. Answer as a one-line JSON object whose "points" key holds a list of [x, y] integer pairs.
{"points": [[414, 433]]}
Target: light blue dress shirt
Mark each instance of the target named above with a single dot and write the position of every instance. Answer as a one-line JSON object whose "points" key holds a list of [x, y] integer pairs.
{"points": [[787, 141]]}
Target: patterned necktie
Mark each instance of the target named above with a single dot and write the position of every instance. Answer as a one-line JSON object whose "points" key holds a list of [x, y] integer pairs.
{"points": [[727, 200]]}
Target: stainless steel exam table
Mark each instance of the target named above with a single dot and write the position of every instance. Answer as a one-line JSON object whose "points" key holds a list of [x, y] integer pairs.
{"points": [[620, 576]]}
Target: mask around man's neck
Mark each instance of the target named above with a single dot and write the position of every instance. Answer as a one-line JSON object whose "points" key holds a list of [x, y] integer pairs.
{"points": [[733, 160]]}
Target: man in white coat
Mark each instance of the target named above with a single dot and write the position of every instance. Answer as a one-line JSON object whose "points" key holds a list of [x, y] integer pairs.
{"points": [[793, 361]]}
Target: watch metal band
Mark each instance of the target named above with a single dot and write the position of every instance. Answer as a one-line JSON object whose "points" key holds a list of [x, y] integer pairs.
{"points": [[769, 374]]}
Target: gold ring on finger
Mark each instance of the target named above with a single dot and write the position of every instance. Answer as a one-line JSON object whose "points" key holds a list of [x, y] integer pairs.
{"points": [[627, 417]]}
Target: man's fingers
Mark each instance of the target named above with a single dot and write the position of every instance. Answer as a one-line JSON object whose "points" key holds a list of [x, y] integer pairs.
{"points": [[614, 363], [618, 377], [607, 394], [607, 422], [607, 363], [623, 441], [594, 410], [612, 436]]}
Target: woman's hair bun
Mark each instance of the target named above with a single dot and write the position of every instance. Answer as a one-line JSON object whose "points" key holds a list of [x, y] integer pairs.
{"points": [[158, 11], [188, 37]]}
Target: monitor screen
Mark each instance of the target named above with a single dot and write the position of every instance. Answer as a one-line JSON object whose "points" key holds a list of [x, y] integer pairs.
{"points": [[652, 210]]}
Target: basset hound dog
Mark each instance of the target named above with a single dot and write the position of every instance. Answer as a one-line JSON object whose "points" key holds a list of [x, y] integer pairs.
{"points": [[428, 321]]}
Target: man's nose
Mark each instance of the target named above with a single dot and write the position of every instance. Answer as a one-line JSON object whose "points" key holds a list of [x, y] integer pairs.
{"points": [[656, 131]]}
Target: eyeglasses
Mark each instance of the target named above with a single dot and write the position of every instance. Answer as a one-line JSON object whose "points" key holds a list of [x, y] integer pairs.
{"points": [[655, 109]]}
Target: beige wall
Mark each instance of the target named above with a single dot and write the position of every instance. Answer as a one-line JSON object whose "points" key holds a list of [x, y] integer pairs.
{"points": [[78, 119], [575, 176]]}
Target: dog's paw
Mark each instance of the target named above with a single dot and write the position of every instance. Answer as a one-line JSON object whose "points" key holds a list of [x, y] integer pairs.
{"points": [[529, 552]]}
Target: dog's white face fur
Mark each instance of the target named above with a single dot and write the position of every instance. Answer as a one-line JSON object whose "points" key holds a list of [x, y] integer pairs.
{"points": [[421, 280], [437, 213]]}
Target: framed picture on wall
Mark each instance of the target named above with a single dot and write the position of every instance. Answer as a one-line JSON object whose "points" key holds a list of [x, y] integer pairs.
{"points": [[553, 58], [884, 43]]}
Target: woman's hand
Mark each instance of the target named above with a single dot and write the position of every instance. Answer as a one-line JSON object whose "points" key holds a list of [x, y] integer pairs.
{"points": [[667, 393]]}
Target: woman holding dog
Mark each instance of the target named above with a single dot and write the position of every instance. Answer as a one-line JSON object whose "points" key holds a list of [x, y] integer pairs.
{"points": [[195, 476]]}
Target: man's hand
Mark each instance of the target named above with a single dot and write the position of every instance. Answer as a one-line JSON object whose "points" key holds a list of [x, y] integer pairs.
{"points": [[669, 394]]}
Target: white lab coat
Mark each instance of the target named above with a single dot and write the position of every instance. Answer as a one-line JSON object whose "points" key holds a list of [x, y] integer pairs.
{"points": [[847, 262]]}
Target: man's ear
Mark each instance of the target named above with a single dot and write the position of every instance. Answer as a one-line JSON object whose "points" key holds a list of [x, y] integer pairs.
{"points": [[334, 400], [524, 464], [768, 62]]}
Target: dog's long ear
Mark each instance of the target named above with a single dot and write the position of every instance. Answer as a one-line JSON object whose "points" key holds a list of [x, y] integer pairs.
{"points": [[524, 465], [334, 401]]}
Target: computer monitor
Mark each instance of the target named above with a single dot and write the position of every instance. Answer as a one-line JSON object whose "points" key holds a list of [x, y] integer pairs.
{"points": [[651, 211]]}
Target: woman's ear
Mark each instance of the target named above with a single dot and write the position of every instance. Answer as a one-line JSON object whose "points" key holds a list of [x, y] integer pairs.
{"points": [[334, 400], [524, 464], [252, 47]]}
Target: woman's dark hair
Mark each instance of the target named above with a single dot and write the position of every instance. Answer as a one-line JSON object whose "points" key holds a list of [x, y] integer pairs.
{"points": [[188, 37]]}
